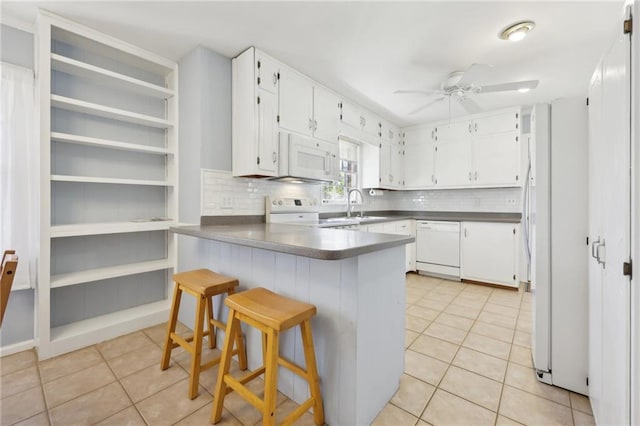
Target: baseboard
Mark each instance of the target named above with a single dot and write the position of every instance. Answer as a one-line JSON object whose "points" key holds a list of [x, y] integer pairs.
{"points": [[17, 347]]}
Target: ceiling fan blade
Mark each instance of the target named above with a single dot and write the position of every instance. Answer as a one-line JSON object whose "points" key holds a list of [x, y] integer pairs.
{"points": [[514, 85], [420, 92], [470, 106], [423, 107], [473, 72]]}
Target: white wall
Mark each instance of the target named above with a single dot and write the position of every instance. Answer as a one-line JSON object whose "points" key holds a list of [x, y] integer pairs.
{"points": [[17, 48]]}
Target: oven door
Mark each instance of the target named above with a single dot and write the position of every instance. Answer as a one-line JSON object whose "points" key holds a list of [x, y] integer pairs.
{"points": [[308, 158]]}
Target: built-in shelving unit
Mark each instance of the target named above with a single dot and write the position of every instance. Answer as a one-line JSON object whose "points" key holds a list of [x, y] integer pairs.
{"points": [[108, 155]]}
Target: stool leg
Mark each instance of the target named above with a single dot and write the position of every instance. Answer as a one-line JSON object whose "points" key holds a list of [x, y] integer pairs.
{"points": [[171, 327], [233, 325], [312, 371], [271, 378], [197, 347], [210, 327]]}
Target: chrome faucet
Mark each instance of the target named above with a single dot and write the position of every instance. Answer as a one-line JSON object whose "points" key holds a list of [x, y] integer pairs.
{"points": [[349, 201]]}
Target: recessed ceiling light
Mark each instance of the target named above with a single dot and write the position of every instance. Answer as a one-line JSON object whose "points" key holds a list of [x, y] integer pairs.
{"points": [[524, 89], [518, 31]]}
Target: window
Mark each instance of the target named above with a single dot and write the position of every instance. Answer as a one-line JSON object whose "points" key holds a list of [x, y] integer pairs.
{"points": [[336, 192]]}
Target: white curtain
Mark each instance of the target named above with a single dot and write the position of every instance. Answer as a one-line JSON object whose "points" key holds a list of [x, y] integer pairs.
{"points": [[19, 171]]}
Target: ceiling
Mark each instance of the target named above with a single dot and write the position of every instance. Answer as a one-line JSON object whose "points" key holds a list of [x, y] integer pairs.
{"points": [[367, 50]]}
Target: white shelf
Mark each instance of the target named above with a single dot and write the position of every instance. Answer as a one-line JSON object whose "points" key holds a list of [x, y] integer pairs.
{"points": [[106, 143], [63, 280], [107, 77], [91, 179], [79, 334], [76, 105], [84, 229]]}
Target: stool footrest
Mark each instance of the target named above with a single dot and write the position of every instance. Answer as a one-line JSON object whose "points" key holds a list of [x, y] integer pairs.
{"points": [[218, 324], [295, 414], [293, 367], [215, 361], [183, 342], [238, 386]]}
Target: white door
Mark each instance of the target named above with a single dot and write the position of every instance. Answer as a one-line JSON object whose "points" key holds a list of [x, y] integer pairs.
{"points": [[496, 159], [453, 162], [296, 102], [268, 73], [397, 169], [614, 248], [499, 123], [351, 115], [267, 110], [386, 177], [418, 159], [488, 252], [326, 114]]}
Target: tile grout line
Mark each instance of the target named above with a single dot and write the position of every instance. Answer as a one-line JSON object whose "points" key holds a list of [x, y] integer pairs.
{"points": [[44, 397]]}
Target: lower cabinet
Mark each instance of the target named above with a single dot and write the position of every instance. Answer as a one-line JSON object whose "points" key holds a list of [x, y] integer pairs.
{"points": [[400, 227], [489, 252]]}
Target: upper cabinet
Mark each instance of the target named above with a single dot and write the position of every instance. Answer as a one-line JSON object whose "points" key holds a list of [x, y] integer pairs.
{"points": [[255, 91], [364, 123], [419, 147], [326, 114], [296, 102]]}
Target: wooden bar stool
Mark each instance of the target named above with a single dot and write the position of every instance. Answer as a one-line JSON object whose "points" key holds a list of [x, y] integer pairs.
{"points": [[203, 284], [271, 313]]}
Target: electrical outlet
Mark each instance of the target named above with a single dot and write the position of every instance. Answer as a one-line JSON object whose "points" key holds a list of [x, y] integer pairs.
{"points": [[227, 202]]}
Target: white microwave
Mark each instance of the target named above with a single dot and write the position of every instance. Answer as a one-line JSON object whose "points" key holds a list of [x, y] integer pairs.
{"points": [[304, 158]]}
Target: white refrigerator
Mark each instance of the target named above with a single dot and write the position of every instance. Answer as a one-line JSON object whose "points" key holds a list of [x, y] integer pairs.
{"points": [[556, 239]]}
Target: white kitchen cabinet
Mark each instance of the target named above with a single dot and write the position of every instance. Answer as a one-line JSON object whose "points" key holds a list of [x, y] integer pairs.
{"points": [[401, 227], [365, 124], [255, 92], [391, 166], [489, 252], [390, 133], [326, 114], [419, 148], [296, 102], [108, 190], [495, 159], [453, 162], [370, 167]]}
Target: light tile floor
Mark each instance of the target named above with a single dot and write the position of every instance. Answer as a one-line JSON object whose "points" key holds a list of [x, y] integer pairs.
{"points": [[468, 362]]}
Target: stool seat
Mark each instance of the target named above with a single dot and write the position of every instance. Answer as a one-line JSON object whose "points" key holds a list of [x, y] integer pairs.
{"points": [[270, 309], [205, 282]]}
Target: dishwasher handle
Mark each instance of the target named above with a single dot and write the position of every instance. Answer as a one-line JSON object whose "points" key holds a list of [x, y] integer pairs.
{"points": [[439, 226]]}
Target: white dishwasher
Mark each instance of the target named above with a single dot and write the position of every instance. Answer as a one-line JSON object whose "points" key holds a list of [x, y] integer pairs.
{"points": [[438, 248]]}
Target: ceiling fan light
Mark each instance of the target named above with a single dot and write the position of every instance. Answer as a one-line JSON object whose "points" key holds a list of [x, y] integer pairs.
{"points": [[518, 31], [524, 89]]}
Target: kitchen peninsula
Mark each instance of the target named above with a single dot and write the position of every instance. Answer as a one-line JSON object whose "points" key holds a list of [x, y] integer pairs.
{"points": [[357, 282]]}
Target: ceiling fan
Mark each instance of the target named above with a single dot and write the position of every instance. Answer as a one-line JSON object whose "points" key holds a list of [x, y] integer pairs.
{"points": [[460, 85]]}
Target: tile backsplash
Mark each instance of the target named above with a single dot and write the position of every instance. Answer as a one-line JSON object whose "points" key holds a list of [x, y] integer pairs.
{"points": [[225, 195]]}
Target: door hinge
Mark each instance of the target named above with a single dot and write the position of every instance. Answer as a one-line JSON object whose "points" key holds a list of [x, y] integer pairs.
{"points": [[278, 75], [587, 381], [587, 241], [278, 118], [514, 231], [587, 101], [627, 269], [258, 100], [627, 26], [258, 81], [258, 64], [258, 160], [514, 277]]}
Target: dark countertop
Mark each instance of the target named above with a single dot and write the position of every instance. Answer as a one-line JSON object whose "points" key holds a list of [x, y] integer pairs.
{"points": [[393, 215], [319, 243]]}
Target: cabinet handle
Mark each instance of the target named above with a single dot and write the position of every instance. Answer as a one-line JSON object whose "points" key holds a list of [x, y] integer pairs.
{"points": [[594, 245], [475, 126], [476, 175], [599, 258], [432, 134], [315, 125], [470, 179], [310, 124], [275, 78], [433, 178], [465, 232], [469, 127], [390, 178], [275, 157]]}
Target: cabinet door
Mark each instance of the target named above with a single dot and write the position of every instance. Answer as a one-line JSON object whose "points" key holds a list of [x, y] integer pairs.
{"points": [[496, 159], [397, 163], [488, 252], [326, 114], [351, 115], [267, 111], [296, 102], [418, 159], [455, 130], [267, 71], [370, 166], [453, 162], [385, 165], [499, 123], [370, 124]]}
